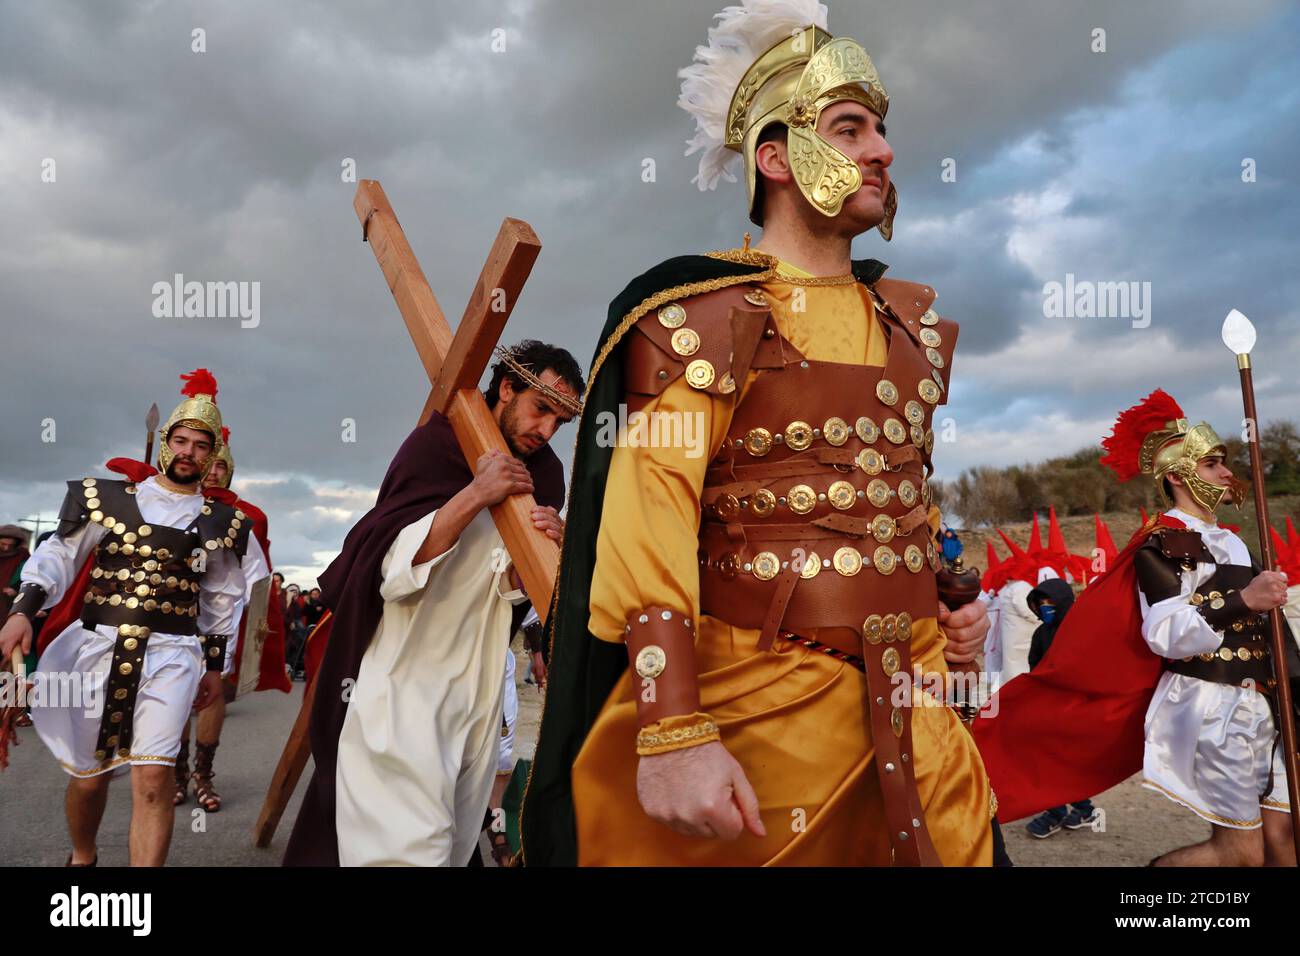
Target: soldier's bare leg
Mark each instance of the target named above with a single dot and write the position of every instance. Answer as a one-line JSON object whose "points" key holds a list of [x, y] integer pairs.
{"points": [[1225, 847], [1279, 845], [152, 814], [84, 804]]}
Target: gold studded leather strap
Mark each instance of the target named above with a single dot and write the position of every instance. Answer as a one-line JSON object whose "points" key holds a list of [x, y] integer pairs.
{"points": [[115, 726], [891, 734], [214, 650], [785, 585], [31, 598], [661, 653]]}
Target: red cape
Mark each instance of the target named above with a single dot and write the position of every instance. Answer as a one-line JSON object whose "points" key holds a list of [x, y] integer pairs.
{"points": [[1074, 726]]}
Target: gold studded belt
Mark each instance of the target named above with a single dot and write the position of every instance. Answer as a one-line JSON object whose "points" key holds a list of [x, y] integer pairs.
{"points": [[115, 727], [1243, 657], [157, 609]]}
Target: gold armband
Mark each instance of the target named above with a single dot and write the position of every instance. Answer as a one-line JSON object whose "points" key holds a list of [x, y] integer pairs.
{"points": [[676, 733]]}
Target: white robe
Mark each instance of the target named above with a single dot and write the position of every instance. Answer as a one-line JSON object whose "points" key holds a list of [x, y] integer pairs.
{"points": [[1007, 646], [421, 739], [1209, 746], [173, 663]]}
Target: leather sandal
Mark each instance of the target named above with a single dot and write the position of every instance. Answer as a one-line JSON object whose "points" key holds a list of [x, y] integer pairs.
{"points": [[204, 791], [94, 862]]}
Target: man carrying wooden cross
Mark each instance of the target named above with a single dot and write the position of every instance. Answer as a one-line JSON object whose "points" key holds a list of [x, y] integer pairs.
{"points": [[408, 706]]}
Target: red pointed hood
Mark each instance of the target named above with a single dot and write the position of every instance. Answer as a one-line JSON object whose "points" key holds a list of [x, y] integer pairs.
{"points": [[1055, 540], [1105, 543], [1035, 537], [1016, 550], [991, 565]]}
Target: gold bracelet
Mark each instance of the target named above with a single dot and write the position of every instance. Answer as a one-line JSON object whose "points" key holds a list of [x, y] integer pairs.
{"points": [[676, 733]]}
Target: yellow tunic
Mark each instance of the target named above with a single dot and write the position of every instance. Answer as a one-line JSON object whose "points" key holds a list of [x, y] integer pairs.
{"points": [[794, 718]]}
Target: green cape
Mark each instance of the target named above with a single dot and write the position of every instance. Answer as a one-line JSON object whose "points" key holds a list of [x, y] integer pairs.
{"points": [[584, 669]]}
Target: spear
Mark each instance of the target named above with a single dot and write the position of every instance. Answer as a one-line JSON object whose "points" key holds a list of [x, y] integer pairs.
{"points": [[150, 426], [1239, 336]]}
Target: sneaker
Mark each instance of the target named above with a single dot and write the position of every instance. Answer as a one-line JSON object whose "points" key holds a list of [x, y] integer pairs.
{"points": [[1075, 820], [1043, 826]]}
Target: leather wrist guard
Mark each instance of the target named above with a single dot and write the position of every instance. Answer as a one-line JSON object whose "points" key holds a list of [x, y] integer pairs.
{"points": [[661, 651], [533, 637], [31, 598], [214, 650]]}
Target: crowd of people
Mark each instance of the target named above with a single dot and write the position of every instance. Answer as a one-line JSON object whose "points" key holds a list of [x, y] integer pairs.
{"points": [[302, 611]]}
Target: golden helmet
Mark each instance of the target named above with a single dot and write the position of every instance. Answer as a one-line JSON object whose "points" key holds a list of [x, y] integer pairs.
{"points": [[1153, 438], [766, 63], [222, 453], [197, 410]]}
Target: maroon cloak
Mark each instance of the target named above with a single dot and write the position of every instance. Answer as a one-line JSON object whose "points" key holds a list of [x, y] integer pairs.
{"points": [[428, 470]]}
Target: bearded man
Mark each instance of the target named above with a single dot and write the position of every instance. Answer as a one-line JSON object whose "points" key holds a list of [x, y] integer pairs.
{"points": [[408, 707]]}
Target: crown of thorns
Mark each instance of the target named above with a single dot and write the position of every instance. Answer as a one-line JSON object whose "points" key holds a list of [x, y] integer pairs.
{"points": [[567, 402]]}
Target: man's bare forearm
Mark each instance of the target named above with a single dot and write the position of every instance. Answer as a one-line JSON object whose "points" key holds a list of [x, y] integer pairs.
{"points": [[451, 519]]}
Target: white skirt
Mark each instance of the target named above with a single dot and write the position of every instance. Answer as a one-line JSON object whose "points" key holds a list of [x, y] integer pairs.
{"points": [[69, 691], [1209, 747]]}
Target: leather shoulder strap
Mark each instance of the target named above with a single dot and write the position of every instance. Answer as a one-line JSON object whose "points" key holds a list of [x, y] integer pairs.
{"points": [[1180, 544], [710, 338], [908, 306], [222, 526]]}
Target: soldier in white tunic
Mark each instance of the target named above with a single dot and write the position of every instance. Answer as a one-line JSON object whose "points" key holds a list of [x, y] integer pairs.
{"points": [[159, 608]]}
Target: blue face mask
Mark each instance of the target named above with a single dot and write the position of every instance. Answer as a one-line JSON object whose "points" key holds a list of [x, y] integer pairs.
{"points": [[1047, 613]]}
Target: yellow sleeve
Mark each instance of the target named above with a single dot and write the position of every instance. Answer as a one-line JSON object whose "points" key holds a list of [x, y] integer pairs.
{"points": [[935, 520], [648, 541]]}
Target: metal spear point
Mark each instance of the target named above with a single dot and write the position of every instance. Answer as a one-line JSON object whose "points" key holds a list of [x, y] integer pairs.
{"points": [[1239, 336], [150, 427]]}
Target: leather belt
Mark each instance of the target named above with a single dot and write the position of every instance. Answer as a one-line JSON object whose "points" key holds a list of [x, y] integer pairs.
{"points": [[116, 725]]}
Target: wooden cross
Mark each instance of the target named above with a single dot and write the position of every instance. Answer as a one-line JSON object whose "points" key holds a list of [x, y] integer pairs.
{"points": [[454, 365]]}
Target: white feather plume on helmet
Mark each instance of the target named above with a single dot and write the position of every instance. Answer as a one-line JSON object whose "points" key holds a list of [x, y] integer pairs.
{"points": [[742, 34]]}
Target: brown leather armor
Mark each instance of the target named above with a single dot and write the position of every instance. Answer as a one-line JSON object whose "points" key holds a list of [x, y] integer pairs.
{"points": [[814, 511], [145, 579], [1245, 657]]}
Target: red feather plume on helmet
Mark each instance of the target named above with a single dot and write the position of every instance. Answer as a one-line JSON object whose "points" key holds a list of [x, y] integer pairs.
{"points": [[225, 435], [199, 382], [1133, 425]]}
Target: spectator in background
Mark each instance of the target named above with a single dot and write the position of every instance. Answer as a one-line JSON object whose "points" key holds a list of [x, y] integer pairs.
{"points": [[13, 555], [295, 628], [1050, 601], [951, 545], [313, 610]]}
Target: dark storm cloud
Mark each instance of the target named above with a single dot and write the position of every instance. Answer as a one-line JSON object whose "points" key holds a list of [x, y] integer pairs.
{"points": [[225, 165]]}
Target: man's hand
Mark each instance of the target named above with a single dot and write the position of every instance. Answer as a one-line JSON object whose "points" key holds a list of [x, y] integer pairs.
{"points": [[209, 690], [17, 632], [699, 791], [965, 629], [1265, 592], [539, 670], [549, 520], [498, 475]]}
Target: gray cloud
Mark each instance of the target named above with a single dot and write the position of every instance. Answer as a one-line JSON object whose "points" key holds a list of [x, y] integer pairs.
{"points": [[225, 166]]}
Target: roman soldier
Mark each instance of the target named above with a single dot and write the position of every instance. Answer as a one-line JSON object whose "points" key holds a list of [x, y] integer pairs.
{"points": [[256, 568], [160, 604], [1163, 665], [728, 625]]}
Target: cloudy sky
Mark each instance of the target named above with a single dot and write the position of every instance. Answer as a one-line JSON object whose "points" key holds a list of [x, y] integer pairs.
{"points": [[225, 165]]}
